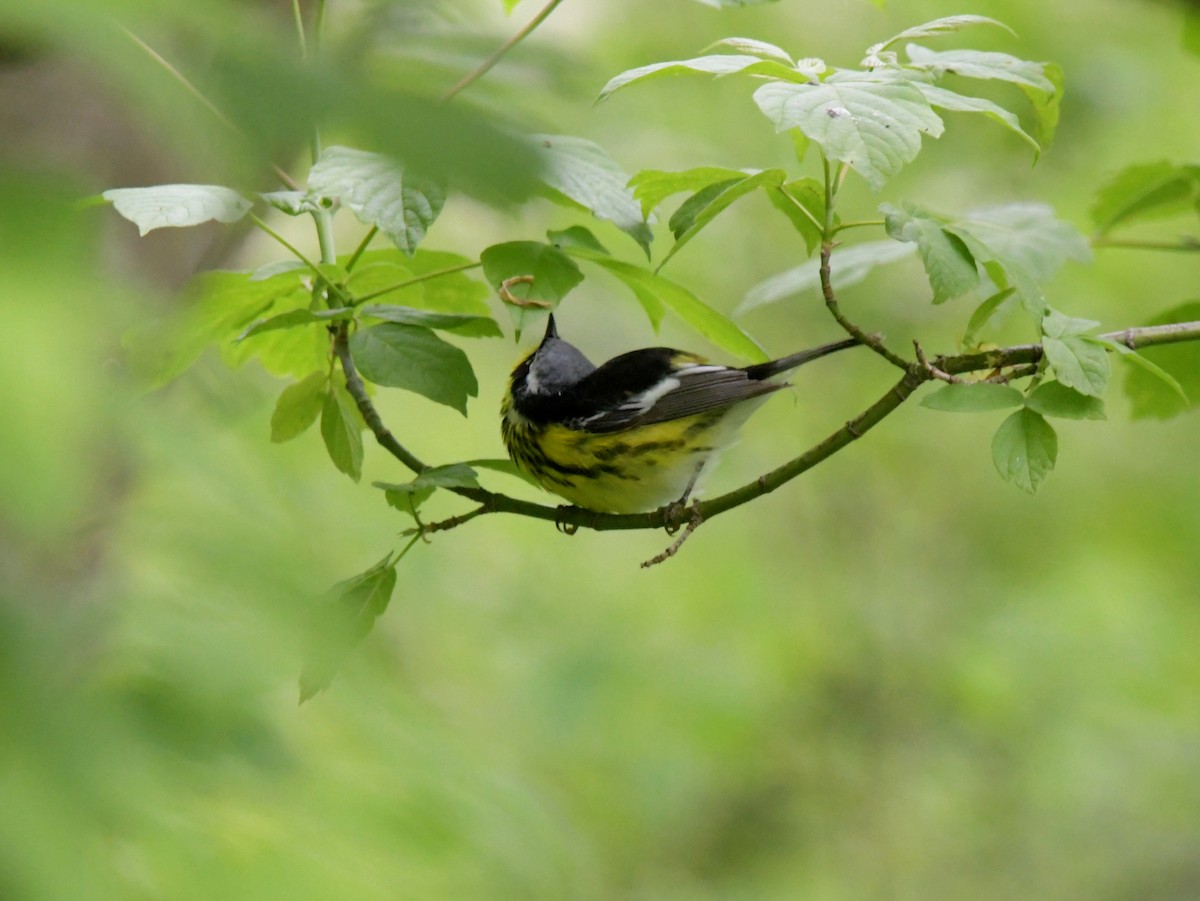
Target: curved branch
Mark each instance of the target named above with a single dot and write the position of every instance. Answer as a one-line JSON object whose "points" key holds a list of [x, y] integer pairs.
{"points": [[1020, 355], [484, 67]]}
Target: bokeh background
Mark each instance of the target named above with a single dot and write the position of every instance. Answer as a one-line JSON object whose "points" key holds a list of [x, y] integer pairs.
{"points": [[898, 677]]}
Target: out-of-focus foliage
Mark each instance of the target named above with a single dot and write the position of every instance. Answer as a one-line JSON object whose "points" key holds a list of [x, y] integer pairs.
{"points": [[896, 677]]}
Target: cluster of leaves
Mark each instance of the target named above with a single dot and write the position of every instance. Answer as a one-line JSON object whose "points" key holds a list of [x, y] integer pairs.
{"points": [[390, 308]]}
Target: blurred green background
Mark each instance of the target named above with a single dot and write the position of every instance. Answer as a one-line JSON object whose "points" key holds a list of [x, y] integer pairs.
{"points": [[897, 677]]}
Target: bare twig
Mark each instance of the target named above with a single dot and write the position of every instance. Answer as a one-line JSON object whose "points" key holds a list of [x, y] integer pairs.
{"points": [[932, 370], [693, 523]]}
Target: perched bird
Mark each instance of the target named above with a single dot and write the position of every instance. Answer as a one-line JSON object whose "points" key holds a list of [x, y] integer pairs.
{"points": [[636, 433]]}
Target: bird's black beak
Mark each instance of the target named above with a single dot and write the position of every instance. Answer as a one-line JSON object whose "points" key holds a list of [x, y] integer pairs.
{"points": [[551, 329]]}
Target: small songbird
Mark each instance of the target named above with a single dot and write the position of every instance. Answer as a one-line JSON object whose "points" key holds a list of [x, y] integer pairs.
{"points": [[636, 433]]}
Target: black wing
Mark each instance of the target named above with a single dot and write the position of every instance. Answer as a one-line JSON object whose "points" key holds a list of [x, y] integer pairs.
{"points": [[658, 385]]}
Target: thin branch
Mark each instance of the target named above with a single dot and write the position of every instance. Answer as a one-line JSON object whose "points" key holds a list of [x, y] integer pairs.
{"points": [[831, 302], [198, 95], [484, 67], [1023, 357], [357, 390], [863, 223], [362, 248], [424, 277]]}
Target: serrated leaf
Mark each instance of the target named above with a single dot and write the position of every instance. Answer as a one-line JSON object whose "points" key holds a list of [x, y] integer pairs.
{"points": [[379, 192], [870, 122], [961, 103], [1025, 241], [717, 64], [944, 25], [177, 206], [298, 407], [294, 318], [705, 205], [803, 202], [575, 236], [949, 264], [755, 48], [973, 397], [341, 431], [415, 359], [1057, 399], [982, 64], [848, 266], [551, 274], [1145, 191], [1025, 449], [585, 173], [1079, 364], [465, 324], [652, 186], [711, 324], [342, 621]]}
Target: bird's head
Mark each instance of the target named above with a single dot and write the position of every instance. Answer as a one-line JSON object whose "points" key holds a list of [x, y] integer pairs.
{"points": [[552, 368]]}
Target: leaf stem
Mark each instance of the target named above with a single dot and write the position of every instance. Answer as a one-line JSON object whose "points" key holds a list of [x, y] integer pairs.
{"points": [[424, 277], [362, 248], [295, 251], [802, 208], [862, 223], [483, 68]]}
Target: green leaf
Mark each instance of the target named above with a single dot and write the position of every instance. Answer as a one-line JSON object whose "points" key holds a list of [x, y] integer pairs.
{"points": [[216, 306], [277, 268], [1078, 363], [299, 406], [449, 289], [948, 262], [1146, 191], [719, 65], [873, 122], [342, 621], [982, 64], [848, 266], [1025, 449], [508, 467], [575, 236], [341, 428], [415, 359], [652, 186], [294, 318], [1046, 104], [1059, 325], [961, 103], [757, 48], [702, 207], [710, 323], [407, 497], [1025, 241], [553, 276], [973, 397], [944, 25], [177, 206], [585, 173], [1164, 380], [803, 202], [466, 324], [1057, 399], [379, 192], [995, 306]]}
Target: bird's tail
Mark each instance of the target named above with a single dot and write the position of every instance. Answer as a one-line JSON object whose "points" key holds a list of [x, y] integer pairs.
{"points": [[783, 364]]}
